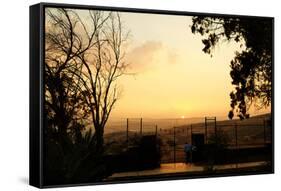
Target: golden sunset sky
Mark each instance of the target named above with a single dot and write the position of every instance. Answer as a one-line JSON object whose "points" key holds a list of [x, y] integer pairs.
{"points": [[172, 78]]}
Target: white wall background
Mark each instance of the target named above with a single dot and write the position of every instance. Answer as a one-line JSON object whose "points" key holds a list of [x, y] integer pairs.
{"points": [[14, 53]]}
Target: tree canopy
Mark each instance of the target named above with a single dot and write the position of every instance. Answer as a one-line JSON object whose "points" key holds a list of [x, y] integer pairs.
{"points": [[251, 68], [83, 60], [82, 64]]}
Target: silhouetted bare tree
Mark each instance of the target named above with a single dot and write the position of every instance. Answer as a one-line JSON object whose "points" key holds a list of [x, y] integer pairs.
{"points": [[83, 62], [65, 40], [103, 64]]}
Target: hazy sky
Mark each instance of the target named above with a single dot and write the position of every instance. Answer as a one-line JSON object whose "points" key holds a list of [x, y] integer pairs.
{"points": [[173, 77]]}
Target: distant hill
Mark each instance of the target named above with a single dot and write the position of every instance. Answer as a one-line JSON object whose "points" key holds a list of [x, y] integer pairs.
{"points": [[117, 126], [257, 119]]}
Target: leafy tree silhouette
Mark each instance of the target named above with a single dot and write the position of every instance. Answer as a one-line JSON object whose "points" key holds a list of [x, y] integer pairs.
{"points": [[251, 69]]}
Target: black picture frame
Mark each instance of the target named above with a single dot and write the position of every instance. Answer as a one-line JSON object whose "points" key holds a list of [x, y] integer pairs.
{"points": [[37, 118]]}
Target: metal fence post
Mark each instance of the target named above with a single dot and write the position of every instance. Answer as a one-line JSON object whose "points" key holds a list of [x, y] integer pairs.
{"points": [[191, 131], [206, 130], [216, 129], [141, 126], [264, 132], [186, 134], [236, 144], [174, 145], [127, 134]]}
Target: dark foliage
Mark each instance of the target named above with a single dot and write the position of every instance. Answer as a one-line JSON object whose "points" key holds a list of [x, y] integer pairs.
{"points": [[82, 63], [67, 162], [251, 68]]}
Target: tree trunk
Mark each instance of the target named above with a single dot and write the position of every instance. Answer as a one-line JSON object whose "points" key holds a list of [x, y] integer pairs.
{"points": [[99, 136]]}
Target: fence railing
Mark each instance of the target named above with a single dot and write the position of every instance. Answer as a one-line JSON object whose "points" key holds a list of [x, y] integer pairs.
{"points": [[175, 133]]}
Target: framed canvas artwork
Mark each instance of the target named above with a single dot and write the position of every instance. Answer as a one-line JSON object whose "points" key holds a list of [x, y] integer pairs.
{"points": [[126, 95]]}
